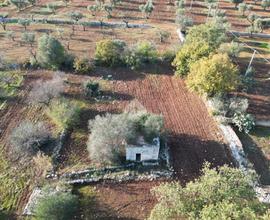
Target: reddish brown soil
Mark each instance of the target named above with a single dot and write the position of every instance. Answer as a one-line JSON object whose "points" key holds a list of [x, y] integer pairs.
{"points": [[192, 134], [129, 201]]}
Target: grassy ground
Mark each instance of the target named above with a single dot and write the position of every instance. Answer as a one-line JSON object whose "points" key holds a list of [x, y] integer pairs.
{"points": [[257, 148], [9, 83], [261, 136], [13, 182]]}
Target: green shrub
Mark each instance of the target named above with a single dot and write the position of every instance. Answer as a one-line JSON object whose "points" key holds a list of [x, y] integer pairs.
{"points": [[140, 54], [64, 113], [50, 52], [244, 122], [247, 80], [232, 49], [68, 63], [58, 206], [109, 52], [168, 56], [211, 33], [218, 194], [82, 66], [91, 88], [187, 55], [213, 75], [28, 138]]}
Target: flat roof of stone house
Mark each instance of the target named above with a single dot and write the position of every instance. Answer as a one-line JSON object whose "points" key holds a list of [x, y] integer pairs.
{"points": [[140, 142]]}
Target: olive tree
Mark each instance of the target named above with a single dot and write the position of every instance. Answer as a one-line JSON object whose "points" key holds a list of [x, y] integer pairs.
{"points": [[24, 23], [236, 2], [212, 33], [110, 133], [182, 19], [50, 52], [265, 4], [147, 8], [19, 4], [10, 35], [3, 20], [28, 38], [223, 193], [44, 92], [57, 206], [243, 8], [75, 16], [28, 138]]}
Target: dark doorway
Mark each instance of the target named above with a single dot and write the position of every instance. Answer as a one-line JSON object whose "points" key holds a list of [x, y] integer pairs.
{"points": [[138, 157]]}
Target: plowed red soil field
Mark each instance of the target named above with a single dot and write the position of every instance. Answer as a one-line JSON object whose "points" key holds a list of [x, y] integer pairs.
{"points": [[192, 134]]}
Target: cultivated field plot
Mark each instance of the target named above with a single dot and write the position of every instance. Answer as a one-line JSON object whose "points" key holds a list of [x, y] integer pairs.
{"points": [[192, 134], [259, 94], [129, 9], [136, 200]]}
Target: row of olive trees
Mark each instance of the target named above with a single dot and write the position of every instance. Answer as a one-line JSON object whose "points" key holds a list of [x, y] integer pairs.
{"points": [[21, 4], [205, 60]]}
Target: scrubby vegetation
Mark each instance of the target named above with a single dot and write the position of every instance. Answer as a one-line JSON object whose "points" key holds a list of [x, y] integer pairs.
{"points": [[57, 206], [65, 114], [213, 75], [44, 92], [28, 138], [43, 115], [9, 85], [109, 52], [50, 52], [218, 194]]}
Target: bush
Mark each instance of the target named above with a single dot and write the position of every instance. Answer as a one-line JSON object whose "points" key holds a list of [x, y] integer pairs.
{"points": [[50, 53], [68, 63], [226, 193], [189, 54], [232, 49], [105, 144], [213, 75], [109, 52], [58, 206], [168, 56], [44, 92], [110, 133], [148, 125], [141, 53], [247, 80], [91, 88], [82, 66], [244, 122], [64, 113], [28, 138], [211, 33]]}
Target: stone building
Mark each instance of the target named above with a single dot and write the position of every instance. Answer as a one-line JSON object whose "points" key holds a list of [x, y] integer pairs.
{"points": [[142, 151]]}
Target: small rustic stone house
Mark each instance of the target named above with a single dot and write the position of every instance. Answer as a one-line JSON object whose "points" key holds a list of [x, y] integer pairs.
{"points": [[142, 151]]}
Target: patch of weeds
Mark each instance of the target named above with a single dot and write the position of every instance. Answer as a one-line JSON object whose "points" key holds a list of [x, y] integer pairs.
{"points": [[13, 182], [87, 198], [9, 85]]}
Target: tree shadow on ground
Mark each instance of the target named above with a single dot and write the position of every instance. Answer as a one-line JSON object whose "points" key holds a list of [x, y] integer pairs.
{"points": [[256, 156], [91, 208], [189, 153]]}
